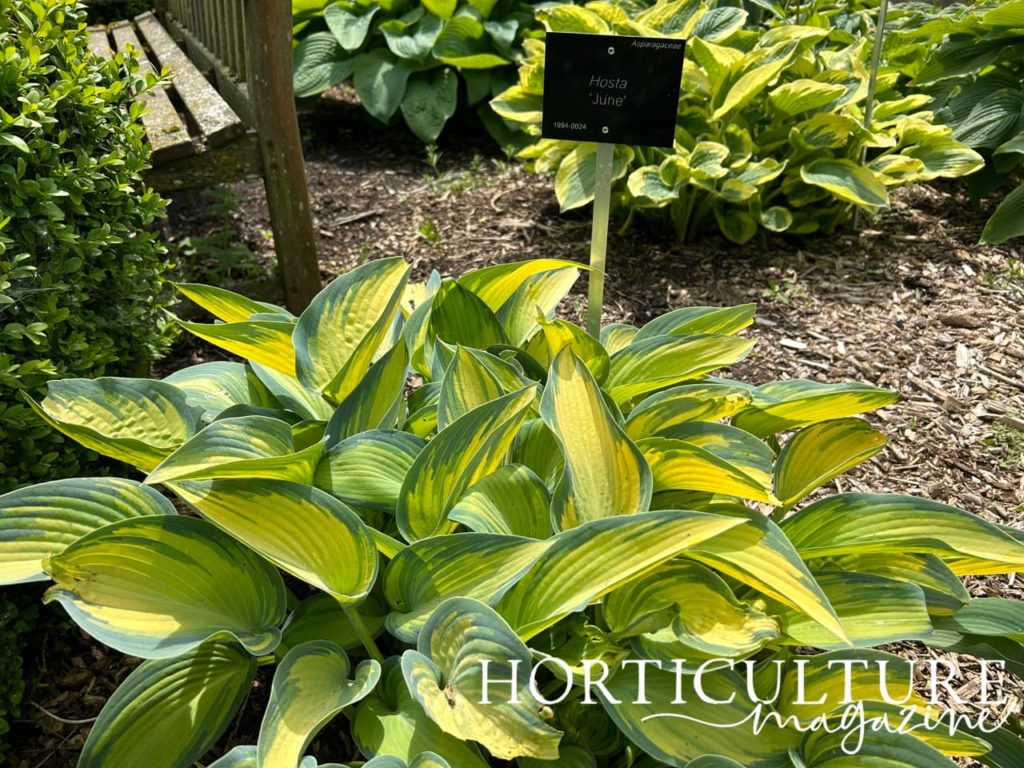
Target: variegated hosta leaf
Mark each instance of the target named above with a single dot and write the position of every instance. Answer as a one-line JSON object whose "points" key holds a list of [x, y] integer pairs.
{"points": [[467, 384], [446, 676], [459, 316], [584, 563], [988, 617], [391, 722], [219, 385], [422, 760], [376, 401], [246, 447], [759, 554], [537, 447], [339, 333], [741, 449], [464, 452], [538, 296], [681, 465], [617, 336], [569, 756], [292, 395], [368, 469], [159, 586], [821, 452], [136, 421], [511, 501], [689, 320], [267, 342], [557, 335], [683, 404], [873, 610], [785, 405], [605, 474], [478, 565], [170, 711], [497, 284], [321, 618], [684, 607], [226, 305], [311, 687], [658, 362], [892, 750], [675, 734], [301, 530], [43, 519], [858, 523]]}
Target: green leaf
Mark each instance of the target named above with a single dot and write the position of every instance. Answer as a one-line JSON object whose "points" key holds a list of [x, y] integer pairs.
{"points": [[137, 421], [302, 530], [319, 64], [819, 453], [467, 384], [605, 474], [44, 519], [459, 316], [463, 453], [446, 676], [571, 18], [690, 320], [511, 501], [891, 750], [686, 403], [368, 469], [464, 43], [349, 29], [574, 181], [759, 69], [803, 95], [340, 332], [227, 305], [719, 24], [10, 140], [586, 562], [268, 342], [557, 335], [411, 40], [161, 585], [1008, 220], [311, 687], [219, 385], [847, 181], [380, 79], [320, 617], [377, 400], [430, 100], [442, 8], [945, 158], [988, 617], [307, 404], [171, 711], [683, 465]]}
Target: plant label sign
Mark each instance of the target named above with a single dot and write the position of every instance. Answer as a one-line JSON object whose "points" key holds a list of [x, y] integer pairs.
{"points": [[611, 88]]}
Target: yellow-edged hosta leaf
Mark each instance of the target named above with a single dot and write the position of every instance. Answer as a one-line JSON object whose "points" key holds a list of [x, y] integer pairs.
{"points": [[226, 305], [464, 452], [759, 554], [678, 734], [822, 749], [785, 405], [539, 295], [445, 675], [268, 342], [822, 452], [663, 361], [617, 336], [42, 520], [846, 180], [571, 18], [321, 618], [376, 401], [311, 687], [512, 501], [859, 523], [161, 585], [605, 474], [300, 529], [497, 284], [340, 332], [758, 69], [557, 335], [478, 565], [244, 447], [691, 320], [467, 384], [171, 711], [220, 385], [584, 563], [803, 95], [685, 403], [681, 465], [574, 181], [136, 421], [368, 469], [873, 610], [683, 607], [391, 723], [292, 395]]}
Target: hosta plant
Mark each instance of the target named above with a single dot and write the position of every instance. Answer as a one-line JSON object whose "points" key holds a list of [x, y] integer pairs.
{"points": [[457, 484], [769, 131], [406, 57]]}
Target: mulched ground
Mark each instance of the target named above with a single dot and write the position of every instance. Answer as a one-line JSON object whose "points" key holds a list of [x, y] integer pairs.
{"points": [[910, 302]]}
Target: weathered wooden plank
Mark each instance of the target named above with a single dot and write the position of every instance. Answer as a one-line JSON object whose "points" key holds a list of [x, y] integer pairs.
{"points": [[99, 44], [168, 134], [222, 165], [216, 120]]}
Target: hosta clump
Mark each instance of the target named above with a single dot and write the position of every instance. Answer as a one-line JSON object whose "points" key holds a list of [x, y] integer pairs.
{"points": [[769, 132], [458, 478], [407, 56]]}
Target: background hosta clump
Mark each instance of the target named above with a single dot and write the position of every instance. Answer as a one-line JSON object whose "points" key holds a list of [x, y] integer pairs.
{"points": [[407, 57], [769, 132], [534, 491]]}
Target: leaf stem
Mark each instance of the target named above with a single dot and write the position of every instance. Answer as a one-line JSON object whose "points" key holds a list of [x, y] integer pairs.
{"points": [[352, 614]]}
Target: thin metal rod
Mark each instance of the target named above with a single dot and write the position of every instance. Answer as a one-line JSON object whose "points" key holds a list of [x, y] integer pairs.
{"points": [[599, 236], [869, 107]]}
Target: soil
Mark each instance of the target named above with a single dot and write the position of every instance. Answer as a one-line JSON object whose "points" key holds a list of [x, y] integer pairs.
{"points": [[909, 302]]}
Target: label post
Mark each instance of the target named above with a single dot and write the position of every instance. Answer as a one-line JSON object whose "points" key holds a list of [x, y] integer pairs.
{"points": [[599, 236]]}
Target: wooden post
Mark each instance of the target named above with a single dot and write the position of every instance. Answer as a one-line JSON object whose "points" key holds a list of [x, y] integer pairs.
{"points": [[269, 55]]}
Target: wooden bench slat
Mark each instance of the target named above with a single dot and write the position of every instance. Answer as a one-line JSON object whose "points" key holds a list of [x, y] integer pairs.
{"points": [[167, 133], [99, 44], [216, 120]]}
